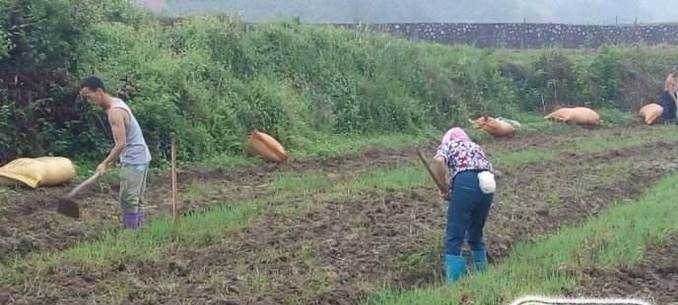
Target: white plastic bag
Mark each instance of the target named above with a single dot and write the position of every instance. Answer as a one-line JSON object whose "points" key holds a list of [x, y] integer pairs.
{"points": [[487, 183]]}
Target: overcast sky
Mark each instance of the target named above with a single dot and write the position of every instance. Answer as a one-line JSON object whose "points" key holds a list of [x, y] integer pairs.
{"points": [[381, 11]]}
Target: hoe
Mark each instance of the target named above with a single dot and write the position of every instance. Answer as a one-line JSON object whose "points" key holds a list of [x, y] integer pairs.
{"points": [[67, 206]]}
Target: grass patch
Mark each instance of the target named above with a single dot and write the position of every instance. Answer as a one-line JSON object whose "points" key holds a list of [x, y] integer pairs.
{"points": [[526, 156], [197, 189], [324, 147], [414, 175], [614, 116], [119, 246], [543, 126], [617, 237], [397, 178], [594, 142], [599, 142], [303, 182], [228, 162], [341, 145]]}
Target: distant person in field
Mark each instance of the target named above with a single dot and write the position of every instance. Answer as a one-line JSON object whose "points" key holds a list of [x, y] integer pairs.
{"points": [[668, 99], [468, 174], [130, 148]]}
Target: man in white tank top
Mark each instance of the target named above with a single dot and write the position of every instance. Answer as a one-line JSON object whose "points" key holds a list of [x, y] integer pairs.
{"points": [[130, 148]]}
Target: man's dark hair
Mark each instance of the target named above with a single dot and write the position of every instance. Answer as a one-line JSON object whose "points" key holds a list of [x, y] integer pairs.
{"points": [[93, 83]]}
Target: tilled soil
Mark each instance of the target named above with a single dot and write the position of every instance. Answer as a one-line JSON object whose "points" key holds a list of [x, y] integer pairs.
{"points": [[386, 238], [31, 224], [339, 251]]}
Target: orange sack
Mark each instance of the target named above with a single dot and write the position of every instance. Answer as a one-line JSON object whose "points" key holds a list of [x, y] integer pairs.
{"points": [[265, 146], [494, 127], [651, 113], [576, 115]]}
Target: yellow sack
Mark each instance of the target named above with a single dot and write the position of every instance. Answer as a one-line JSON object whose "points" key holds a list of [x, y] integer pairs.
{"points": [[265, 146], [43, 171], [651, 113], [494, 127], [576, 115]]}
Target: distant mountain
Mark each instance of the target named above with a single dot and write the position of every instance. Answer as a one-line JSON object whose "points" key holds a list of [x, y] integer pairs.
{"points": [[382, 11]]}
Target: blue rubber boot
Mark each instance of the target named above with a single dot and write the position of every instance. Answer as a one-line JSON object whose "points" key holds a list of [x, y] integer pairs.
{"points": [[479, 260], [455, 267]]}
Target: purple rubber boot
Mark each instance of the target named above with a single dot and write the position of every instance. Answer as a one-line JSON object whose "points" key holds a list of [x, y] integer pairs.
{"points": [[132, 220]]}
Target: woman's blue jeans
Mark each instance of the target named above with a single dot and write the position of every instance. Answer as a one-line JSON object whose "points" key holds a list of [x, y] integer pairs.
{"points": [[467, 211]]}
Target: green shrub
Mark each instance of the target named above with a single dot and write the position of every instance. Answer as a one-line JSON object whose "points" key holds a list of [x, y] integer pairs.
{"points": [[553, 81], [211, 80], [605, 76], [42, 46]]}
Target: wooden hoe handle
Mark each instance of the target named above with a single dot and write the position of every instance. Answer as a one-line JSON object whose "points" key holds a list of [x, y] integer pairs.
{"points": [[430, 172], [84, 184]]}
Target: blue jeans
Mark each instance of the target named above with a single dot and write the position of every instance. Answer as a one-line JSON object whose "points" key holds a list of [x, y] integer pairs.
{"points": [[466, 213]]}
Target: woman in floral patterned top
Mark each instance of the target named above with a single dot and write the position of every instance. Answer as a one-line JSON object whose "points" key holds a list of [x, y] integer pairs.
{"points": [[469, 197]]}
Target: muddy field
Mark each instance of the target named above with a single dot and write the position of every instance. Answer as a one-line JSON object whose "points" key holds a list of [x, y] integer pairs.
{"points": [[338, 249], [30, 221]]}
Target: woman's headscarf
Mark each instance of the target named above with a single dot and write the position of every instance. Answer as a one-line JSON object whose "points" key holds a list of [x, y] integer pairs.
{"points": [[455, 134]]}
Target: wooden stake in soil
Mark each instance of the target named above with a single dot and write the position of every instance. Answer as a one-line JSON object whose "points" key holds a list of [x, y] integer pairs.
{"points": [[174, 177]]}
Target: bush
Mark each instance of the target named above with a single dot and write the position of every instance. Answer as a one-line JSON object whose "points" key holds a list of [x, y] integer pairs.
{"points": [[211, 80], [41, 49], [604, 77], [553, 82]]}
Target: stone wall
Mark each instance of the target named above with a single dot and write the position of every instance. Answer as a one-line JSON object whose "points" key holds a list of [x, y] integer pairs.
{"points": [[529, 35], [155, 6]]}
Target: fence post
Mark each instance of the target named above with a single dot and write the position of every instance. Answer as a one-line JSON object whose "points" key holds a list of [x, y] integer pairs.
{"points": [[174, 177]]}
